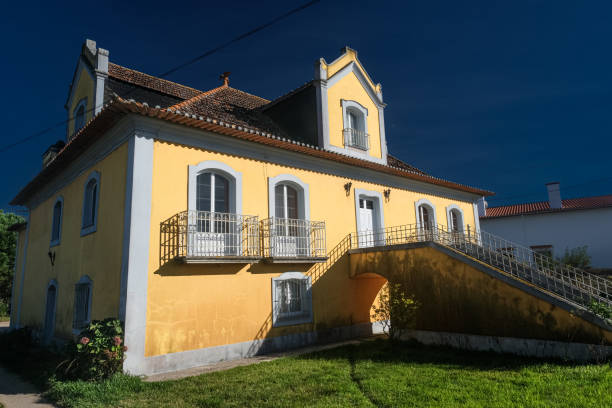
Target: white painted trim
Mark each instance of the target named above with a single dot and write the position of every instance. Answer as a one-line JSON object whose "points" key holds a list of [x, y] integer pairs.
{"points": [[322, 114], [426, 202], [476, 219], [379, 210], [363, 112], [299, 185], [234, 177], [54, 283], [200, 357], [455, 207], [85, 280], [138, 253], [383, 136], [57, 241], [23, 270], [352, 67], [127, 217], [307, 317], [89, 229]]}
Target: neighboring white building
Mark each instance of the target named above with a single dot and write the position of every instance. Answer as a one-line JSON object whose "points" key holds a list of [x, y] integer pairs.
{"points": [[555, 225]]}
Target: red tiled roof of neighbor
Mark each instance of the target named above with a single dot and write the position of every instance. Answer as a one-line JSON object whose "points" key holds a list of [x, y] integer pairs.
{"points": [[114, 111], [585, 203], [148, 81]]}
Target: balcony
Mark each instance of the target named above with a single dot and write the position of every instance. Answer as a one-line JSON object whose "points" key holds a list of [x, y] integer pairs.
{"points": [[209, 237], [293, 241], [356, 138]]}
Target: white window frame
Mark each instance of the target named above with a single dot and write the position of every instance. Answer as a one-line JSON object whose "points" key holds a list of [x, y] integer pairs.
{"points": [[53, 283], [362, 111], [55, 242], [212, 166], [85, 280], [89, 229], [449, 210], [379, 215], [427, 203], [301, 188], [292, 319], [82, 103]]}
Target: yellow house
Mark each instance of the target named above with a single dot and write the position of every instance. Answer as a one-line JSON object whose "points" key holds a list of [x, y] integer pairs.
{"points": [[213, 223]]}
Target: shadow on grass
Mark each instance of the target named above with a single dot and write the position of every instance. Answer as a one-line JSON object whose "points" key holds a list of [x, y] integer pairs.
{"points": [[409, 352]]}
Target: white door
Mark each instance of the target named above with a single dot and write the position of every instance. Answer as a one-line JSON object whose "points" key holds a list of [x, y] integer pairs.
{"points": [[366, 222], [292, 234]]}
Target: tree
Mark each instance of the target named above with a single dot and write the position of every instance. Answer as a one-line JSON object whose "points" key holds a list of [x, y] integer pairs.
{"points": [[8, 244], [396, 309], [576, 257]]}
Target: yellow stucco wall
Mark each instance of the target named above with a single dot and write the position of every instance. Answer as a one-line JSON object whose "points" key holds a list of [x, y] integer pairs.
{"points": [[457, 297], [349, 88], [84, 88], [97, 255], [196, 306]]}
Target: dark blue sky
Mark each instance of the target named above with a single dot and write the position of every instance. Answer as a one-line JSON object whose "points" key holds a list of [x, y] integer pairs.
{"points": [[502, 96]]}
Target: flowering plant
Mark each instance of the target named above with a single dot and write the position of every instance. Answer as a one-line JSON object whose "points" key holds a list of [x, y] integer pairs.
{"points": [[98, 352]]}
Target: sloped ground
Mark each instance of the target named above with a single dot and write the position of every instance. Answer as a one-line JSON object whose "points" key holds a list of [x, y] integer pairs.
{"points": [[376, 373]]}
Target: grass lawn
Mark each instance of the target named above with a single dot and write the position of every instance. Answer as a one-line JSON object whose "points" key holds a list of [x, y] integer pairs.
{"points": [[375, 373]]}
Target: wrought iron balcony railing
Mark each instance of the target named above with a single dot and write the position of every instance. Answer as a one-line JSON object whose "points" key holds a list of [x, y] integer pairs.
{"points": [[290, 240], [203, 236], [356, 138], [572, 284]]}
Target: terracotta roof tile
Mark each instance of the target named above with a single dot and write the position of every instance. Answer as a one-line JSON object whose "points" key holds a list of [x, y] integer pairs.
{"points": [[114, 111], [148, 81], [584, 203]]}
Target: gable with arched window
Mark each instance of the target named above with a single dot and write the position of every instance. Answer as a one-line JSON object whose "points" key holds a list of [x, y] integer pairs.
{"points": [[91, 198], [56, 221]]}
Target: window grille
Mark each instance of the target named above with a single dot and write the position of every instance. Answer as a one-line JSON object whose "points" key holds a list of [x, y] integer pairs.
{"points": [[292, 299], [82, 295]]}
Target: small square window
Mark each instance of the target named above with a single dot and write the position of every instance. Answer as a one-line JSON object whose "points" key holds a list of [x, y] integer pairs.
{"points": [[291, 298]]}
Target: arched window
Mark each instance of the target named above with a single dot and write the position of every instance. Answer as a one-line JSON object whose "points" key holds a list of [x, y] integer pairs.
{"points": [[212, 196], [455, 218], [56, 222], [90, 204], [355, 125], [82, 303], [79, 115], [425, 215]]}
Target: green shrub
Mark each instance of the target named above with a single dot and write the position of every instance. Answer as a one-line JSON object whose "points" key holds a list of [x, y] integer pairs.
{"points": [[396, 310], [97, 354], [576, 257], [601, 309], [4, 309]]}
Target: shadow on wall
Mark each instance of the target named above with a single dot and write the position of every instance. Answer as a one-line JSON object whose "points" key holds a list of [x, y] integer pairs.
{"points": [[456, 297], [333, 318]]}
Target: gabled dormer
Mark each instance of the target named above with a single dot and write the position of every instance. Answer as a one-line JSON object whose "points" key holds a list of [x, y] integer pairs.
{"points": [[86, 93], [350, 109]]}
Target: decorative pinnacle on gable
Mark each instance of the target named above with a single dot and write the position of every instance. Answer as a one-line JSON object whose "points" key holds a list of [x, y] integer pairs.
{"points": [[225, 77]]}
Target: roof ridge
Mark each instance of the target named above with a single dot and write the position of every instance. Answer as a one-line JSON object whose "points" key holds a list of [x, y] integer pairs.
{"points": [[196, 98], [113, 72]]}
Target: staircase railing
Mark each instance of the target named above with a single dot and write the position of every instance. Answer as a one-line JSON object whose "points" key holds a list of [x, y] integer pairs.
{"points": [[567, 282]]}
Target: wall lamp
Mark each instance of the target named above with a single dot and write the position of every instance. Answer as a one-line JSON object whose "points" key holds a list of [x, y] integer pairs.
{"points": [[387, 193], [347, 188]]}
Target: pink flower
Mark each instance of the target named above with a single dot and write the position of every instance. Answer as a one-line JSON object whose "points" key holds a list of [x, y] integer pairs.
{"points": [[84, 340], [117, 340]]}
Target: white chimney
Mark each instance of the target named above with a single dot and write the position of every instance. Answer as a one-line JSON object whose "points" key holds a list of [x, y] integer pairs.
{"points": [[482, 206], [554, 195]]}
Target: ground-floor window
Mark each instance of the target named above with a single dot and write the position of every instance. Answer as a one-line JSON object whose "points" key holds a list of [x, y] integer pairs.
{"points": [[82, 303], [291, 299]]}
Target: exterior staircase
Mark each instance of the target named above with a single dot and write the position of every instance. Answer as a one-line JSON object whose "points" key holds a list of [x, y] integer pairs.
{"points": [[573, 285]]}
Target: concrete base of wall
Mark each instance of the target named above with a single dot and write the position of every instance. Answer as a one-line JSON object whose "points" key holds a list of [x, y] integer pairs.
{"points": [[579, 352], [194, 358]]}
